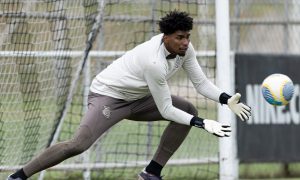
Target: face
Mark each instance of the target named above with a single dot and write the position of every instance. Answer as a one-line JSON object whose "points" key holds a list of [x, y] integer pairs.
{"points": [[177, 43]]}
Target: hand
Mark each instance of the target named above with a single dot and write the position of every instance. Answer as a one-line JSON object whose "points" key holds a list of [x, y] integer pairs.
{"points": [[217, 128], [241, 110]]}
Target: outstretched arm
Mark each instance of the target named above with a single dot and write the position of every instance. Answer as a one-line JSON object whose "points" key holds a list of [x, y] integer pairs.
{"points": [[203, 85], [211, 91], [160, 91]]}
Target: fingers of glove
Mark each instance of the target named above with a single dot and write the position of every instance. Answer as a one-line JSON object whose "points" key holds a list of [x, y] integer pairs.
{"points": [[218, 135], [226, 128], [240, 116], [246, 107], [216, 128], [222, 134], [244, 115], [226, 134], [248, 113]]}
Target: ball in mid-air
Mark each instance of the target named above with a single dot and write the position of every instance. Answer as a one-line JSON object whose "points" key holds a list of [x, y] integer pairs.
{"points": [[278, 89]]}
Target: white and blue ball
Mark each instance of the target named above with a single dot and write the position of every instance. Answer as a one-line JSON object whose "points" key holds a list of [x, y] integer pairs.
{"points": [[278, 89]]}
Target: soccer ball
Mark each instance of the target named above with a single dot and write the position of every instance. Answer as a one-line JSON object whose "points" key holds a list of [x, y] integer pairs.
{"points": [[278, 89]]}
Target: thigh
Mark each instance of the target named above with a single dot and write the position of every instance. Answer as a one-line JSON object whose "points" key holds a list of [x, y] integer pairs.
{"points": [[146, 109], [103, 112]]}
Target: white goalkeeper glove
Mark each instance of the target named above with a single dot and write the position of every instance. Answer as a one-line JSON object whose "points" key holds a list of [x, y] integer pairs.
{"points": [[241, 110], [211, 126], [216, 128]]}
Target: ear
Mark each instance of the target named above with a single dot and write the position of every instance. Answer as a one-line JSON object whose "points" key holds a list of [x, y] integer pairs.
{"points": [[165, 38]]}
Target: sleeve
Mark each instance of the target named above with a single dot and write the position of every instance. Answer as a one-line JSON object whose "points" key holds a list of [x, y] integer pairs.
{"points": [[155, 77], [203, 85]]}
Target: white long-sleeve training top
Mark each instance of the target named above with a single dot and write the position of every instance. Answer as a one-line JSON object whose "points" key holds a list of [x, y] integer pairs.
{"points": [[145, 69]]}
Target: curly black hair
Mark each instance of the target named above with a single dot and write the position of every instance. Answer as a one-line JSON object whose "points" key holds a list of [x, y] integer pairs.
{"points": [[174, 21]]}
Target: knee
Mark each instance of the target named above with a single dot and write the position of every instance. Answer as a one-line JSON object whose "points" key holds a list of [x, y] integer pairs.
{"points": [[73, 148], [179, 129], [80, 143], [192, 109], [184, 129]]}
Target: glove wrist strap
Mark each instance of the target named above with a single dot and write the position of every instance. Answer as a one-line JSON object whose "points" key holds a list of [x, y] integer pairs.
{"points": [[197, 122], [224, 98]]}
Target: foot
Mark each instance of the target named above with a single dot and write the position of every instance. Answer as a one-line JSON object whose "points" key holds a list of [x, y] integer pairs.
{"points": [[10, 178], [147, 176]]}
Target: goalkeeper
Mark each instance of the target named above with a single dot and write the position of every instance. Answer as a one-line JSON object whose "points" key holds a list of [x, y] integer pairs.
{"points": [[135, 87]]}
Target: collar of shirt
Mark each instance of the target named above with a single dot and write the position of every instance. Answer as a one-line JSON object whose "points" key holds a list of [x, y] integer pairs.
{"points": [[168, 55]]}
